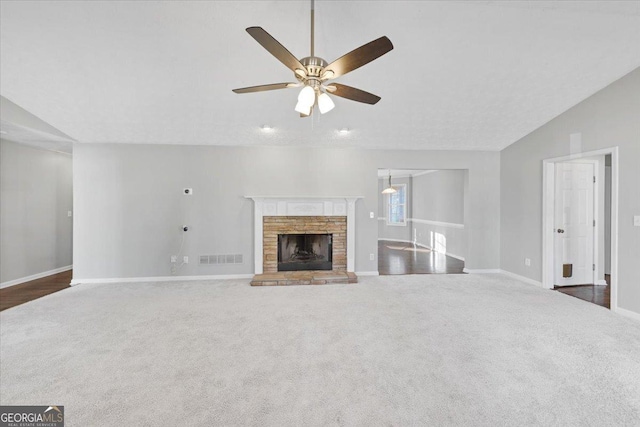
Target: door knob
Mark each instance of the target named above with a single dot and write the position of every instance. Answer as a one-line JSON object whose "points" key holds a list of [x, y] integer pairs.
{"points": [[560, 230]]}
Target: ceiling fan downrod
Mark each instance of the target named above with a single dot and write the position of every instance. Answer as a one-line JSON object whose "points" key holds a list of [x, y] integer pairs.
{"points": [[313, 26]]}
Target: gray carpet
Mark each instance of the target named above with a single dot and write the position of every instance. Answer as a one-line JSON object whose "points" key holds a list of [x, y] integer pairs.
{"points": [[477, 350]]}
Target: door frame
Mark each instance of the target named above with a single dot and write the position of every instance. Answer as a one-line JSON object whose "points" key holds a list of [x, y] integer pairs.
{"points": [[548, 217]]}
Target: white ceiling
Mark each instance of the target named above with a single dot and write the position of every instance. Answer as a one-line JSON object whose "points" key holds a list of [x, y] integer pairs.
{"points": [[463, 75]]}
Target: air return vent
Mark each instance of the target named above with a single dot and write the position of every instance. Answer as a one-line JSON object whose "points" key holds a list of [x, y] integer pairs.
{"points": [[220, 259]]}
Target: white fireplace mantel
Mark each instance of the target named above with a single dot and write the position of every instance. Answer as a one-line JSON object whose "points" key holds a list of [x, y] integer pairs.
{"points": [[304, 206]]}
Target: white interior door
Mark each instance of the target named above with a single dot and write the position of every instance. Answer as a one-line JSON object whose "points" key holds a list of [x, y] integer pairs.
{"points": [[574, 224]]}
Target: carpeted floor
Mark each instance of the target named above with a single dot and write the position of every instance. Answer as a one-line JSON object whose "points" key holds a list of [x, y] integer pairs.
{"points": [[477, 350]]}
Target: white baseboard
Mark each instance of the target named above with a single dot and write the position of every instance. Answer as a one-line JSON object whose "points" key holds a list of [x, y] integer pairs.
{"points": [[435, 223], [461, 258], [76, 282], [367, 273], [521, 278], [422, 246], [34, 276], [628, 313], [481, 270]]}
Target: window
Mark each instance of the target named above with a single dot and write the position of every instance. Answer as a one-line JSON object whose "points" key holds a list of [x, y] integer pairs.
{"points": [[397, 206]]}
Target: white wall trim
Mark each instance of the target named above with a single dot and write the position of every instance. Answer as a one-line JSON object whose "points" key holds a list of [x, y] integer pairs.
{"points": [[482, 271], [76, 282], [461, 258], [398, 240], [34, 276], [521, 278], [436, 223], [426, 172], [548, 196], [628, 313], [367, 273], [430, 222]]}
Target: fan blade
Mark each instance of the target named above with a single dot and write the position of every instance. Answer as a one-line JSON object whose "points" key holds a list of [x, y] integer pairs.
{"points": [[276, 49], [262, 88], [357, 58], [353, 94]]}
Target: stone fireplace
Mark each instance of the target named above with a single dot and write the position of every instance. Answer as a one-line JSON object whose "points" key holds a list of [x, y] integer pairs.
{"points": [[275, 216], [275, 226]]}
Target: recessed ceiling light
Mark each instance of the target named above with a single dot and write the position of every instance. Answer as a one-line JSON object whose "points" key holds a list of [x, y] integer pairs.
{"points": [[266, 128], [344, 131]]}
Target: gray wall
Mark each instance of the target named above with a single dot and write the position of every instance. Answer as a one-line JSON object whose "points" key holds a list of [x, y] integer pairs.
{"points": [[35, 195], [439, 197], [607, 119], [129, 206]]}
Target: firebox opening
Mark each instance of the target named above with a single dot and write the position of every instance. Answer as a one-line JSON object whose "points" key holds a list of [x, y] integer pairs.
{"points": [[305, 252]]}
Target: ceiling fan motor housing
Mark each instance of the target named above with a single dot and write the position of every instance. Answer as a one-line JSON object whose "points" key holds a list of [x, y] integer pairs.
{"points": [[314, 66]]}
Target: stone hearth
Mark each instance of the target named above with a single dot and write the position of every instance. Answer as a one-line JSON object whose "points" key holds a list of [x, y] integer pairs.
{"points": [[285, 278]]}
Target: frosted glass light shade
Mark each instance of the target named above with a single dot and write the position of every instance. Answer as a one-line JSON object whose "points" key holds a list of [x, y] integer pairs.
{"points": [[325, 104], [303, 108], [389, 190], [307, 96]]}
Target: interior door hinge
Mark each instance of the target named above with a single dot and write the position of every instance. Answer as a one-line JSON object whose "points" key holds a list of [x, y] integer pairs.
{"points": [[593, 267], [594, 222], [594, 179]]}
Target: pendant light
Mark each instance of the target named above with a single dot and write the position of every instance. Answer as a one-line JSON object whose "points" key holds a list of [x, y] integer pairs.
{"points": [[389, 189]]}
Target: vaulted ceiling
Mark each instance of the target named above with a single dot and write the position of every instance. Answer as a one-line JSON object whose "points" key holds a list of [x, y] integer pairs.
{"points": [[463, 75]]}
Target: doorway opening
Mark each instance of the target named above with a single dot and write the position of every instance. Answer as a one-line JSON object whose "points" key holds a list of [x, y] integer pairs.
{"points": [[579, 237], [421, 222]]}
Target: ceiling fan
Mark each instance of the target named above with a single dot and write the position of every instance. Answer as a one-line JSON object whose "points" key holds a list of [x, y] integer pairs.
{"points": [[313, 72]]}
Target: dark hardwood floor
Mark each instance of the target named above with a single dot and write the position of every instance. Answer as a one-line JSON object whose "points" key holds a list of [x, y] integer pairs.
{"points": [[28, 291], [405, 258], [600, 295]]}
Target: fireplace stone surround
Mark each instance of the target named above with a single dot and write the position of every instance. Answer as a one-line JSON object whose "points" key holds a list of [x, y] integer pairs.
{"points": [[316, 211], [275, 225]]}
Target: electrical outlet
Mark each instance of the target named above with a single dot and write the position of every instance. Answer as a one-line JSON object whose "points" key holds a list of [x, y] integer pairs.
{"points": [[372, 257], [371, 215], [185, 259], [636, 221], [174, 258], [527, 262], [69, 214]]}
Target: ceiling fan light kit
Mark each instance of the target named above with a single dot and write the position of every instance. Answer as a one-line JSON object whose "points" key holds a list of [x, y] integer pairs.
{"points": [[313, 72]]}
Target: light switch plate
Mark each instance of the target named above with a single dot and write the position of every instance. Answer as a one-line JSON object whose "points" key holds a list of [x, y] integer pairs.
{"points": [[636, 221]]}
